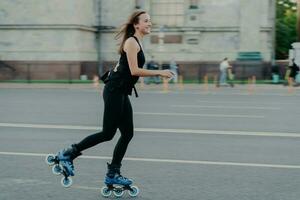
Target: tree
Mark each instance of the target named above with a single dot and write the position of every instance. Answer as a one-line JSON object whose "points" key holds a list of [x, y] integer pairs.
{"points": [[286, 23]]}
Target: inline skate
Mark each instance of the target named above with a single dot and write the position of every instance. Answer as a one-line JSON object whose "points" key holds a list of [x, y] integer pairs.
{"points": [[62, 164], [117, 184]]}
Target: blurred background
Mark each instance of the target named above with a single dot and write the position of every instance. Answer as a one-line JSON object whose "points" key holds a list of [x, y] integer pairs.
{"points": [[192, 141], [73, 40]]}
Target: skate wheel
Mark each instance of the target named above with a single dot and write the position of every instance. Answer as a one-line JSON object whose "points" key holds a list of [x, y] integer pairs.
{"points": [[134, 191], [57, 169], [118, 192], [106, 192], [50, 159], [66, 181]]}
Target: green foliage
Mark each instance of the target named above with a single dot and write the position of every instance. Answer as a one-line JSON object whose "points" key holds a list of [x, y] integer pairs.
{"points": [[286, 31]]}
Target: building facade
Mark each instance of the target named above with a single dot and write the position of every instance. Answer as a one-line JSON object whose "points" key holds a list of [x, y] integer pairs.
{"points": [[62, 39]]}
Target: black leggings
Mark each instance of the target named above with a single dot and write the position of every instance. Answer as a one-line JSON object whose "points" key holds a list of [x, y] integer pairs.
{"points": [[117, 114]]}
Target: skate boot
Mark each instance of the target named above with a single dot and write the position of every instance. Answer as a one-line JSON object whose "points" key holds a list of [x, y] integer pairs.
{"points": [[114, 176], [117, 184], [66, 157], [63, 164]]}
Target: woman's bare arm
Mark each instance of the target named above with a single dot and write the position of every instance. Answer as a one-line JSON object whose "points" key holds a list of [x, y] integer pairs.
{"points": [[131, 48]]}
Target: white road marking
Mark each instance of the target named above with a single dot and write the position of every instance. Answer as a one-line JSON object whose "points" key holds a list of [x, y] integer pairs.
{"points": [[228, 107], [223, 93], [85, 187], [12, 182], [199, 115], [247, 103], [158, 130], [218, 132], [48, 126], [199, 162]]}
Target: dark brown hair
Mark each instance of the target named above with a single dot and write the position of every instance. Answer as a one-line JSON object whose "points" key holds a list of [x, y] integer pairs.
{"points": [[127, 30]]}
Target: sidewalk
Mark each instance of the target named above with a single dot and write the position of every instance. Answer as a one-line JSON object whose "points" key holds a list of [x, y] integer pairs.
{"points": [[45, 86], [172, 87]]}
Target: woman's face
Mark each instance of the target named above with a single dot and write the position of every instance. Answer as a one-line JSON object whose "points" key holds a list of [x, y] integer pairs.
{"points": [[144, 25]]}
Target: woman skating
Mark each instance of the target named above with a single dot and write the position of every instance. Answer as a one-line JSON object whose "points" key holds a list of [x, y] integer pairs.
{"points": [[117, 107]]}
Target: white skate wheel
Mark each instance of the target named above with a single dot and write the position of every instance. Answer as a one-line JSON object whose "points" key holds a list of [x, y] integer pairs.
{"points": [[50, 159], [106, 192], [118, 192], [57, 169], [135, 191], [66, 182]]}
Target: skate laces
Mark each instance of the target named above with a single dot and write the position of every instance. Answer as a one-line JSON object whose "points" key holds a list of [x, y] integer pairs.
{"points": [[120, 177], [71, 165], [69, 162]]}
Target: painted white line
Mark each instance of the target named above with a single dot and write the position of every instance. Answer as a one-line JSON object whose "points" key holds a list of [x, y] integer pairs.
{"points": [[224, 93], [227, 107], [200, 115], [23, 154], [158, 130], [242, 102], [218, 132], [167, 161], [84, 187], [26, 181], [49, 126]]}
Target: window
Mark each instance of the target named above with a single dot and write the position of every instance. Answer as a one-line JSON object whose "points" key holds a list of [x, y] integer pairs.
{"points": [[192, 41], [167, 12], [193, 4], [168, 39], [139, 4], [193, 17]]}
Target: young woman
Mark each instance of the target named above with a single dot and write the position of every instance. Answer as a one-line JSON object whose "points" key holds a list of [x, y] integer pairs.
{"points": [[117, 106], [294, 69]]}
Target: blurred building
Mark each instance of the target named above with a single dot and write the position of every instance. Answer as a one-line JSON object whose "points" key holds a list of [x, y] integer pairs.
{"points": [[62, 39]]}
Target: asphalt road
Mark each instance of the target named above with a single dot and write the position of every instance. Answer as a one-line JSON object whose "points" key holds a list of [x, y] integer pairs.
{"points": [[220, 144]]}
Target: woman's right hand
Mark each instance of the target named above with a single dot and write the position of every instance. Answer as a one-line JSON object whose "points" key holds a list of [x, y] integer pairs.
{"points": [[166, 73]]}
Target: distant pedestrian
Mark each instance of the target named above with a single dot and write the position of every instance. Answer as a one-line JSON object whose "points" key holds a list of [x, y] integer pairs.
{"points": [[230, 73], [224, 65], [294, 70], [174, 69]]}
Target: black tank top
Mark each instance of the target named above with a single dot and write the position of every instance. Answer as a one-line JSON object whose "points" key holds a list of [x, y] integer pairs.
{"points": [[122, 74]]}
